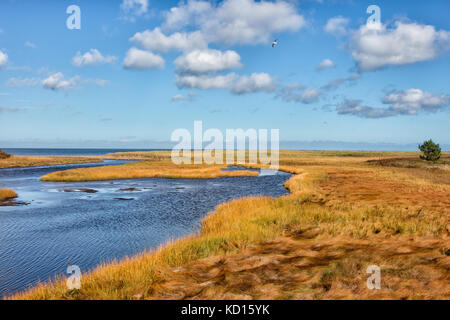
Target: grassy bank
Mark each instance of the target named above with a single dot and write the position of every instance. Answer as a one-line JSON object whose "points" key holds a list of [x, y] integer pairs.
{"points": [[158, 164], [34, 161], [6, 194], [144, 169], [342, 215]]}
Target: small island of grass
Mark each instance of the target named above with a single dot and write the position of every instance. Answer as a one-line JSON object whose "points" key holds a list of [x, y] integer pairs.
{"points": [[7, 194], [35, 161]]}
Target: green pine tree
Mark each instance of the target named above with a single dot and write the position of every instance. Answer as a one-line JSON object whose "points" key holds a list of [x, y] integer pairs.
{"points": [[431, 151]]}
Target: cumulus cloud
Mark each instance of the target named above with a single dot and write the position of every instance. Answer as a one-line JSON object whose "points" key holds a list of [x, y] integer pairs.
{"points": [[337, 26], [299, 93], [250, 22], [56, 81], [377, 47], [256, 82], [236, 21], [407, 102], [190, 27], [413, 101], [92, 57], [156, 40], [205, 81], [26, 82], [3, 58], [139, 60], [187, 13], [325, 64], [208, 60]]}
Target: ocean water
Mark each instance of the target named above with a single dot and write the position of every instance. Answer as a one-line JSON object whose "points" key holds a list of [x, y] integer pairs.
{"points": [[87, 223], [66, 152]]}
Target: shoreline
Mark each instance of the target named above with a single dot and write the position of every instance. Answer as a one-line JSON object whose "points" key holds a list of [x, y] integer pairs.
{"points": [[37, 161], [58, 279]]}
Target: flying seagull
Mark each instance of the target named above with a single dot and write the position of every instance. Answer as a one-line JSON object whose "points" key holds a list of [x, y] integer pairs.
{"points": [[274, 43]]}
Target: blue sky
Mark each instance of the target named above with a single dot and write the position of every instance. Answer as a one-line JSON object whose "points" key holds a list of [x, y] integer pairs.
{"points": [[137, 70]]}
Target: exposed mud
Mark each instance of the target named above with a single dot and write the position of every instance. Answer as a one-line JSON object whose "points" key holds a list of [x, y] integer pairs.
{"points": [[86, 190], [130, 189], [12, 203]]}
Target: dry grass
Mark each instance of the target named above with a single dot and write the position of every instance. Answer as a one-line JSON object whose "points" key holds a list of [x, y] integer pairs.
{"points": [[34, 161], [140, 155], [4, 155], [413, 162], [145, 169], [7, 194], [342, 215]]}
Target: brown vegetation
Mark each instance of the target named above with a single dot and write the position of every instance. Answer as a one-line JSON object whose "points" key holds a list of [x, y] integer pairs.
{"points": [[34, 161], [145, 169], [342, 215], [7, 194], [4, 155]]}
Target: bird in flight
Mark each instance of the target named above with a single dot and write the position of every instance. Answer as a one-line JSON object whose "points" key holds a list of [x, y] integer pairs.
{"points": [[274, 43]]}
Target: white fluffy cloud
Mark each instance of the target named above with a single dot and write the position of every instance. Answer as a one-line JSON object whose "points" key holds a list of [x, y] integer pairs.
{"points": [[139, 60], [236, 21], [337, 25], [156, 40], [56, 81], [3, 58], [205, 81], [92, 57], [325, 64], [407, 102], [405, 43], [208, 60], [256, 82], [193, 25], [187, 13]]}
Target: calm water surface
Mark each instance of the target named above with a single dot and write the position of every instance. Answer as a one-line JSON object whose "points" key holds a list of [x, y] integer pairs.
{"points": [[67, 151], [39, 240]]}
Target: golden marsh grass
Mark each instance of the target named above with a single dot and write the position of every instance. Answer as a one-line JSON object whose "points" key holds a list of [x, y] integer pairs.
{"points": [[34, 161], [145, 169], [342, 214], [6, 194]]}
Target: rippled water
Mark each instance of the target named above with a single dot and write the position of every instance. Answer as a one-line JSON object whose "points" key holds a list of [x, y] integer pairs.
{"points": [[39, 240]]}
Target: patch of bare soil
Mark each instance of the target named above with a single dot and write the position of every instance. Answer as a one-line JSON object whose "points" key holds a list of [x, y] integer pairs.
{"points": [[12, 203], [85, 190]]}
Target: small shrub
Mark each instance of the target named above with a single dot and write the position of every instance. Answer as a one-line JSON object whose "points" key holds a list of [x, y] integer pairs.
{"points": [[4, 155], [431, 151]]}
